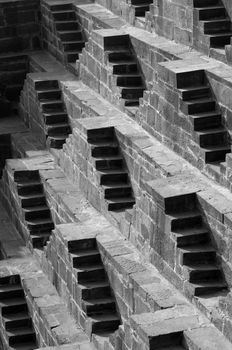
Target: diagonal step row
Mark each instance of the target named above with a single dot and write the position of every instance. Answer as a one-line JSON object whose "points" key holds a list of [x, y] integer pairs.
{"points": [[215, 22], [113, 175], [17, 324], [54, 112], [200, 105], [193, 239], [68, 31], [126, 70], [97, 299], [35, 209]]}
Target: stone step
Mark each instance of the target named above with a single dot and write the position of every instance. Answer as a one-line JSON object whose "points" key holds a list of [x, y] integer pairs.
{"points": [[58, 129], [204, 273], [191, 236], [209, 288], [106, 322], [94, 272], [120, 56], [40, 239], [36, 212], [130, 93], [82, 244], [95, 290], [85, 257], [125, 67], [41, 85], [35, 225], [167, 340], [29, 180], [56, 141], [66, 25], [217, 26], [205, 3], [116, 42], [13, 305], [54, 105], [216, 153], [55, 117], [129, 80], [104, 149], [214, 12], [190, 79], [201, 254], [195, 92], [208, 120], [113, 176], [61, 7], [25, 177], [118, 190], [65, 15], [12, 279], [131, 102], [198, 106], [51, 94], [75, 46], [111, 162], [8, 291], [219, 40], [180, 203], [31, 200], [30, 189], [21, 335], [30, 345], [70, 35], [212, 137], [120, 203], [101, 134], [99, 306], [72, 56], [16, 319], [186, 220]]}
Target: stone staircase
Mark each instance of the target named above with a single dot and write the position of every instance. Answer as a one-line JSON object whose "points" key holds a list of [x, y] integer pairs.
{"points": [[112, 172], [141, 7], [198, 102], [126, 70], [54, 113], [35, 210], [196, 252], [168, 341], [98, 301], [13, 70], [16, 323], [67, 34], [214, 23]]}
